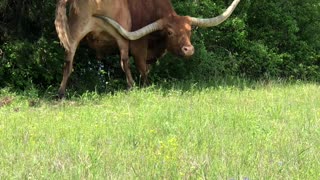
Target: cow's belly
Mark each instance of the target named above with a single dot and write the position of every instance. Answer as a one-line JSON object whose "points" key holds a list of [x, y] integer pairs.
{"points": [[102, 43]]}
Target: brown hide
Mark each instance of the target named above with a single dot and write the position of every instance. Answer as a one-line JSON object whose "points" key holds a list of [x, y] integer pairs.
{"points": [[148, 11], [156, 43]]}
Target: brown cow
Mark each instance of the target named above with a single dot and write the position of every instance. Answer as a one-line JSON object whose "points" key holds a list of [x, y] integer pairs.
{"points": [[146, 28]]}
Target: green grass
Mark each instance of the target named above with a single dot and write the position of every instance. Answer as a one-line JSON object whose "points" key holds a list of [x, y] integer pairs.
{"points": [[242, 131]]}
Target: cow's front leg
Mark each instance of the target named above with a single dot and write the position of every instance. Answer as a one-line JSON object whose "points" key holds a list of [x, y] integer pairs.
{"points": [[139, 50], [124, 55]]}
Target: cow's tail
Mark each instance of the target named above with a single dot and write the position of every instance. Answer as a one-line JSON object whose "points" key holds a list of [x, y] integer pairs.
{"points": [[61, 23]]}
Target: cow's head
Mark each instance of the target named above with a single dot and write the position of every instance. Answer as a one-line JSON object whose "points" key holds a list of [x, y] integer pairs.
{"points": [[177, 29]]}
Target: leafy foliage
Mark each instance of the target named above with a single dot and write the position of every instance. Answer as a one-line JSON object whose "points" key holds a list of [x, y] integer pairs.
{"points": [[262, 39]]}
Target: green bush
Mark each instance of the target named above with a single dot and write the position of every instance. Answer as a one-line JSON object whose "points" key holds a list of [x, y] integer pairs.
{"points": [[25, 64]]}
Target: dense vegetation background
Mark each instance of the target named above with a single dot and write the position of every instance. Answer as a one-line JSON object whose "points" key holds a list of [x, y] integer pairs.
{"points": [[262, 40]]}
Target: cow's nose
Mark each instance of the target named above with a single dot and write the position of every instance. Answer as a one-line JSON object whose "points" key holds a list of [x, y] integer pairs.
{"points": [[188, 50]]}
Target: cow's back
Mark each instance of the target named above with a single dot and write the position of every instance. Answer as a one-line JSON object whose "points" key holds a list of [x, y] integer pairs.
{"points": [[115, 9], [144, 12]]}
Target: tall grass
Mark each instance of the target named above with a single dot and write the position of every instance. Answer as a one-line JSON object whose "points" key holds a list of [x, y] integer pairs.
{"points": [[228, 131]]}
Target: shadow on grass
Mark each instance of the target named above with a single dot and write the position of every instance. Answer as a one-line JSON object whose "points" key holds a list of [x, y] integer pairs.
{"points": [[50, 94], [225, 83]]}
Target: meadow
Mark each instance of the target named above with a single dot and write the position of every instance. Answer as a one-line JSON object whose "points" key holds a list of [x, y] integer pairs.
{"points": [[242, 130]]}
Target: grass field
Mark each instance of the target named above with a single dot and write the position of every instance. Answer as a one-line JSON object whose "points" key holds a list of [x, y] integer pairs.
{"points": [[225, 131]]}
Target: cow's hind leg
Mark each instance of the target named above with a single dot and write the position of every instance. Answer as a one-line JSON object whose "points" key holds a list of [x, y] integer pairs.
{"points": [[67, 69], [74, 42]]}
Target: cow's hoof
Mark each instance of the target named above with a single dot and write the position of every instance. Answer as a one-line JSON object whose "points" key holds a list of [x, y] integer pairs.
{"points": [[60, 96], [130, 88]]}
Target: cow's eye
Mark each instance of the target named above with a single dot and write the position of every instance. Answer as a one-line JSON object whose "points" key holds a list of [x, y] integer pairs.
{"points": [[170, 32]]}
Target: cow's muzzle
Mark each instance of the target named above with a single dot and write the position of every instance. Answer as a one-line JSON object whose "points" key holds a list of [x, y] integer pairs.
{"points": [[187, 50]]}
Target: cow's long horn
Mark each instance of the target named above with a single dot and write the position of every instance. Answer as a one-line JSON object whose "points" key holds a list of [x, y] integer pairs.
{"points": [[134, 35], [216, 20]]}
